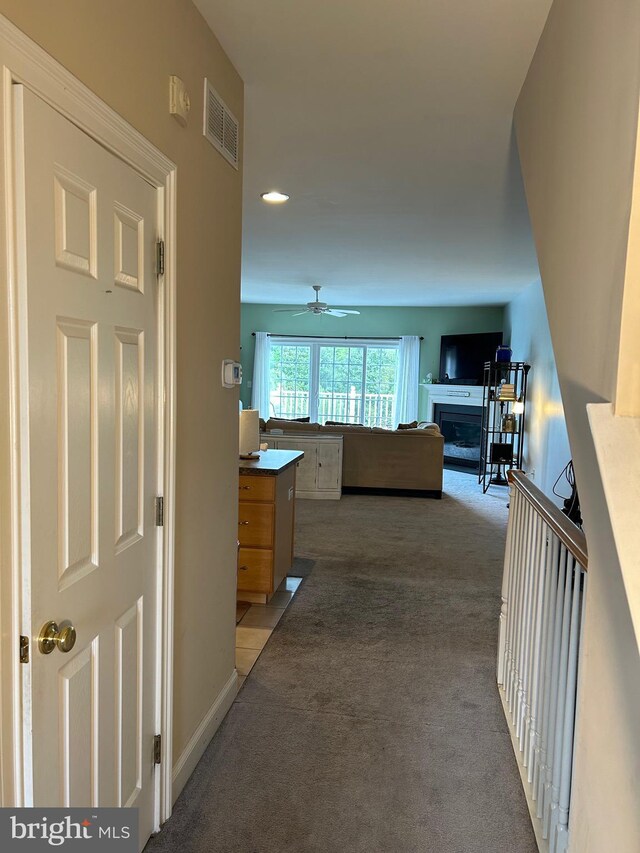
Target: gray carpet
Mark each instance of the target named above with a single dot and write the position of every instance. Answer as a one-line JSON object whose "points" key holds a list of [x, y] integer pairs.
{"points": [[371, 722]]}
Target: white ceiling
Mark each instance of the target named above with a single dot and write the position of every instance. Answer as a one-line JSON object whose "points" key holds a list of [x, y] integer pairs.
{"points": [[389, 123]]}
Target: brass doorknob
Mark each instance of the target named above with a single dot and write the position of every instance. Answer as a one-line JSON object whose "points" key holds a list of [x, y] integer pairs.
{"points": [[51, 635]]}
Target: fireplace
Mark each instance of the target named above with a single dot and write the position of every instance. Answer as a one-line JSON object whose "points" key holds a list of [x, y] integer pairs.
{"points": [[461, 427]]}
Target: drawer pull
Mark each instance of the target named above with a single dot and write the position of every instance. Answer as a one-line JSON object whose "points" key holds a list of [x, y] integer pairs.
{"points": [[242, 568], [245, 487], [242, 522]]}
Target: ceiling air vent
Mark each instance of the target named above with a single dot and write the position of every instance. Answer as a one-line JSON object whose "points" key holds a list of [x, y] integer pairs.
{"points": [[220, 125]]}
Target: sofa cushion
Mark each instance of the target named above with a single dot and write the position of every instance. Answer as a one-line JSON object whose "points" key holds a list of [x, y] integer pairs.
{"points": [[291, 426], [343, 428], [431, 430]]}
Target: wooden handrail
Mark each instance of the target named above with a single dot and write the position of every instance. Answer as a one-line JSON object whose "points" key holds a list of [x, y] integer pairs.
{"points": [[570, 535]]}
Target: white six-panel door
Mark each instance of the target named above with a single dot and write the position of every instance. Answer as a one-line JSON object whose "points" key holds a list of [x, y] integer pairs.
{"points": [[87, 229]]}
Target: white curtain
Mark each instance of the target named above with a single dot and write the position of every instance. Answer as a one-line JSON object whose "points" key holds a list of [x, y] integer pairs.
{"points": [[260, 389], [406, 402]]}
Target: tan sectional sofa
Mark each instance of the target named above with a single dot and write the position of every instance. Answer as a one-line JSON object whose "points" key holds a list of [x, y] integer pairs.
{"points": [[406, 461]]}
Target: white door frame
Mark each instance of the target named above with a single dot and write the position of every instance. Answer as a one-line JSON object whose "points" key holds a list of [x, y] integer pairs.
{"points": [[22, 61]]}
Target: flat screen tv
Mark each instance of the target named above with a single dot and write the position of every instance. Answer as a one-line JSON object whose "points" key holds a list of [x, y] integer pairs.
{"points": [[462, 357]]}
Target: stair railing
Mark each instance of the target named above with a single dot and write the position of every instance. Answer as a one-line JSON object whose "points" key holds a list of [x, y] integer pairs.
{"points": [[543, 596]]}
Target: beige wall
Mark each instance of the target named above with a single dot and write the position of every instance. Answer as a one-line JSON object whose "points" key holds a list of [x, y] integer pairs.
{"points": [[576, 129], [125, 51]]}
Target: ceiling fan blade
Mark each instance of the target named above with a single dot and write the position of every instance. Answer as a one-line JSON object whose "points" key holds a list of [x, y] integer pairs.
{"points": [[284, 310], [346, 310], [334, 313], [300, 313]]}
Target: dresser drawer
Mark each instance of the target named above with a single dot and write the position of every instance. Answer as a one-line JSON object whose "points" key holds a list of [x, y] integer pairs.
{"points": [[255, 570], [255, 524], [256, 488]]}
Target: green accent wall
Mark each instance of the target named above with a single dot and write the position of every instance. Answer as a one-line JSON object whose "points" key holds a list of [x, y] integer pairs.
{"points": [[431, 323]]}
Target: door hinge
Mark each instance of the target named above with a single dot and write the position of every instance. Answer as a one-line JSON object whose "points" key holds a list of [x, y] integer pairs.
{"points": [[159, 512], [24, 649], [160, 257], [157, 749]]}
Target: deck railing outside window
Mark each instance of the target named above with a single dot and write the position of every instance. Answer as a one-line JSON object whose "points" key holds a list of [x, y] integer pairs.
{"points": [[373, 409], [543, 595]]}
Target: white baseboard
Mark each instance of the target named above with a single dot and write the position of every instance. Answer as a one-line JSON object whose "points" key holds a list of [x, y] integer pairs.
{"points": [[193, 751]]}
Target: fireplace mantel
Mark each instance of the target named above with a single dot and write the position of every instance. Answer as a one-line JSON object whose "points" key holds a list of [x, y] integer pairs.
{"points": [[460, 395]]}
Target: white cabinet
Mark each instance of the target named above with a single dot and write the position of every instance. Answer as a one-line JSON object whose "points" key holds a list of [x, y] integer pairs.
{"points": [[329, 470], [306, 475], [319, 474]]}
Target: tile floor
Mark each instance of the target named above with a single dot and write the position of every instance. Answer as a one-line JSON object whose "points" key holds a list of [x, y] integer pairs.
{"points": [[257, 624]]}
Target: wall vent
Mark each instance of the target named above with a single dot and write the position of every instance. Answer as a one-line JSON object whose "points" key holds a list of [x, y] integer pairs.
{"points": [[221, 127]]}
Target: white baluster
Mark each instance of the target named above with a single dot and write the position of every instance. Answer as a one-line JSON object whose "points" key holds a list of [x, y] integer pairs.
{"points": [[524, 622], [506, 580], [526, 630], [548, 673], [535, 646], [560, 817], [554, 688], [537, 719], [514, 607], [561, 698], [513, 571]]}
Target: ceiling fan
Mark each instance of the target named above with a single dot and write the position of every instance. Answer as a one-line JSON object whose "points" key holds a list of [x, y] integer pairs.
{"points": [[317, 307]]}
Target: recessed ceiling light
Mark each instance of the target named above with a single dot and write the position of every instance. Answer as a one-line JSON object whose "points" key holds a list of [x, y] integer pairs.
{"points": [[274, 197]]}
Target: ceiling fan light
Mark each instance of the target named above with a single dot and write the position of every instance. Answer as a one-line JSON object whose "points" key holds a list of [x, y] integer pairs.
{"points": [[274, 197], [318, 308]]}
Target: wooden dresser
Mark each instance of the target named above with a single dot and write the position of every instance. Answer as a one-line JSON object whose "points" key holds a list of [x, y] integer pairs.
{"points": [[266, 515]]}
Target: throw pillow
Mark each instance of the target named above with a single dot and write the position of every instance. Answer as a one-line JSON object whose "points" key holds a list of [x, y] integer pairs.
{"points": [[412, 425], [293, 420], [340, 423]]}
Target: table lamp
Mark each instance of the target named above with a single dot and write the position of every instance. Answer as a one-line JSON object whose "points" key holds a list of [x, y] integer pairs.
{"points": [[249, 433]]}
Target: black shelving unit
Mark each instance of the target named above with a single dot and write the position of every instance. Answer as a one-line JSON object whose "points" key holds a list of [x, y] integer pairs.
{"points": [[500, 448]]}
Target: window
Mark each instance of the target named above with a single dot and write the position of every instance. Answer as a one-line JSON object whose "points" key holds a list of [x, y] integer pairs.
{"points": [[289, 380], [351, 381]]}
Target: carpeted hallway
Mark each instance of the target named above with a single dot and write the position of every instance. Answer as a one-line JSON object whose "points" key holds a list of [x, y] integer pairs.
{"points": [[371, 721]]}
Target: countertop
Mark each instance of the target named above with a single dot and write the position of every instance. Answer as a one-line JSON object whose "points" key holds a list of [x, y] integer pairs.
{"points": [[270, 462]]}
